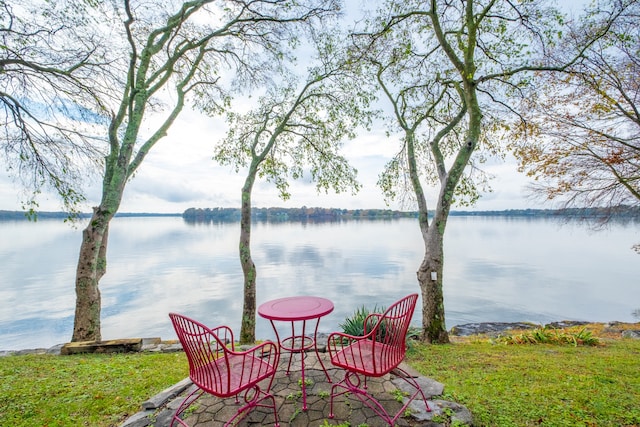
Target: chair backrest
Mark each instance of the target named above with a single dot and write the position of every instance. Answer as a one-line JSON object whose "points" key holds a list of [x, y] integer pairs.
{"points": [[390, 333], [203, 346]]}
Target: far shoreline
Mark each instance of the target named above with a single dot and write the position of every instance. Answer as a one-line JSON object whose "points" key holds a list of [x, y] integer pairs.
{"points": [[331, 214]]}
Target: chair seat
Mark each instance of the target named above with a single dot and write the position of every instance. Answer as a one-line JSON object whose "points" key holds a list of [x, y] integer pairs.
{"points": [[240, 374], [367, 358]]}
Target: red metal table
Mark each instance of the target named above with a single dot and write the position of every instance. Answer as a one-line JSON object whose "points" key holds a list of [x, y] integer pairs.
{"points": [[297, 310]]}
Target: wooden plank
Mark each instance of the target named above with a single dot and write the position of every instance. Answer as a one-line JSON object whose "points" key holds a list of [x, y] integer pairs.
{"points": [[111, 346]]}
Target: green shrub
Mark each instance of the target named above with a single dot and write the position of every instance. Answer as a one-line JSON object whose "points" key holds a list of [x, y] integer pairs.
{"points": [[550, 335], [354, 325]]}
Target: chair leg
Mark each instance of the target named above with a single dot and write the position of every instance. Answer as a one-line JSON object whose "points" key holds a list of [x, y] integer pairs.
{"points": [[254, 398], [188, 401], [352, 384], [334, 395], [404, 375]]}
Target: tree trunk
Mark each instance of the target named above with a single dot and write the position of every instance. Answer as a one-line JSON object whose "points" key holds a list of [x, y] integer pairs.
{"points": [[433, 322], [248, 325], [92, 265], [434, 328], [92, 260]]}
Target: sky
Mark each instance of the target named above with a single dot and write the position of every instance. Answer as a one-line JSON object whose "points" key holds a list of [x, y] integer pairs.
{"points": [[179, 173]]}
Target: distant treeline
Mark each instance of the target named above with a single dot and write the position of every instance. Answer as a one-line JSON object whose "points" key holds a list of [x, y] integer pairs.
{"points": [[19, 215], [612, 212], [334, 214], [292, 214], [193, 215]]}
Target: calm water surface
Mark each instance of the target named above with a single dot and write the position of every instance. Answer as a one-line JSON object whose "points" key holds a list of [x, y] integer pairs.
{"points": [[496, 269]]}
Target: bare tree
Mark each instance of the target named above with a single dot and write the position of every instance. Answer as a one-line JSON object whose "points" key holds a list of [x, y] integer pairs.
{"points": [[296, 130], [52, 66], [189, 50], [581, 140]]}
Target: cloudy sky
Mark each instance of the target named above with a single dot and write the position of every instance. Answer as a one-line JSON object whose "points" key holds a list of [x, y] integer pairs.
{"points": [[179, 173]]}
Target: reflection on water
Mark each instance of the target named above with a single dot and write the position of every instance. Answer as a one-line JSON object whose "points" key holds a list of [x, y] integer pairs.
{"points": [[496, 269]]}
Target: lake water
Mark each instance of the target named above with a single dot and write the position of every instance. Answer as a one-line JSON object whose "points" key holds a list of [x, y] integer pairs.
{"points": [[496, 269]]}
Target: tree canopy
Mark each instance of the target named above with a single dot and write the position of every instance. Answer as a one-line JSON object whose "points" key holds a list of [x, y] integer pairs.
{"points": [[581, 136], [53, 72]]}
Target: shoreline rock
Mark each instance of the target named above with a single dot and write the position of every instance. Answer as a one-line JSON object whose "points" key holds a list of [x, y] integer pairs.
{"points": [[155, 344], [493, 328], [496, 328]]}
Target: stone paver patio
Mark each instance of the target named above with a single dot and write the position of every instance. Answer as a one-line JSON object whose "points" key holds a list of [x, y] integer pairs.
{"points": [[210, 411]]}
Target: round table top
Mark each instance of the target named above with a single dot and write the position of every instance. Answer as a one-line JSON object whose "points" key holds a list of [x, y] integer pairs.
{"points": [[295, 308]]}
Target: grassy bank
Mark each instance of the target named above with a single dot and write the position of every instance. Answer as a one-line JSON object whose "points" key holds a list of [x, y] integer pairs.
{"points": [[82, 390], [502, 384], [539, 385]]}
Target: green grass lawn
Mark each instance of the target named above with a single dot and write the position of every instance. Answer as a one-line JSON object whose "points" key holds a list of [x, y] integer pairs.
{"points": [[539, 385], [82, 390], [501, 384]]}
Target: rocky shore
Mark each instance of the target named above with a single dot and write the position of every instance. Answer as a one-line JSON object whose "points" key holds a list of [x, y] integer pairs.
{"points": [[624, 329]]}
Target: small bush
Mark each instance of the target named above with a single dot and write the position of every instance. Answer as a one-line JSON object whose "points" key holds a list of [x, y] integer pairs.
{"points": [[550, 335], [354, 325]]}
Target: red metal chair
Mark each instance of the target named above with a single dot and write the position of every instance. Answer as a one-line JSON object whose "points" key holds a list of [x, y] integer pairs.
{"points": [[378, 352], [216, 368]]}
